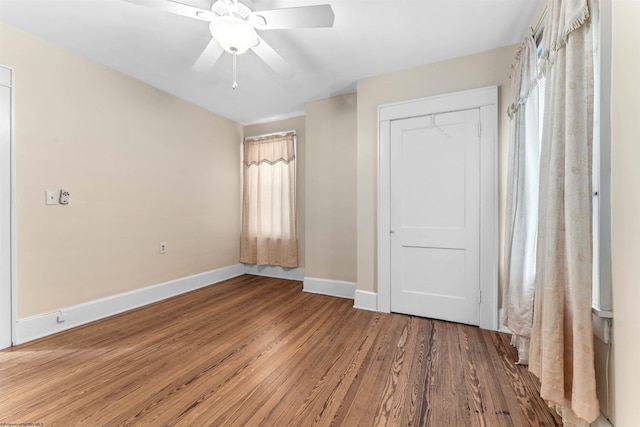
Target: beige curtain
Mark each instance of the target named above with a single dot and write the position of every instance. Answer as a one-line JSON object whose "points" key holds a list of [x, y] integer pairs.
{"points": [[269, 234], [561, 352], [522, 199]]}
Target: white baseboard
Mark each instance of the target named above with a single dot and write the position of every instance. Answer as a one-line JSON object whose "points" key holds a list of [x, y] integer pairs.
{"points": [[35, 327], [333, 288], [275, 271], [365, 300]]}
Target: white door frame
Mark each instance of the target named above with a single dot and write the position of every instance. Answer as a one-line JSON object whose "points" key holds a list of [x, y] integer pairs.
{"points": [[8, 248], [486, 99]]}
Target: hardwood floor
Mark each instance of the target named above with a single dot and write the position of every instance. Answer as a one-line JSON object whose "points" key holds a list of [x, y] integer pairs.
{"points": [[258, 351]]}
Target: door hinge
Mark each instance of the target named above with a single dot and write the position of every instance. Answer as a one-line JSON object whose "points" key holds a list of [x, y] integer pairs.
{"points": [[480, 296], [479, 129]]}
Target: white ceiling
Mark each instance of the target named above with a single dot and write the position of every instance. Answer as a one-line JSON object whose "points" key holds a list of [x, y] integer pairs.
{"points": [[369, 37]]}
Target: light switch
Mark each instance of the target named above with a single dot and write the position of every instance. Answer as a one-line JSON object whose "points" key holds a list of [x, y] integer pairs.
{"points": [[64, 196]]}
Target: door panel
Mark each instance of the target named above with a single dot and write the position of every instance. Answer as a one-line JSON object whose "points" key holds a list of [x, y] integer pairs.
{"points": [[437, 262], [435, 216]]}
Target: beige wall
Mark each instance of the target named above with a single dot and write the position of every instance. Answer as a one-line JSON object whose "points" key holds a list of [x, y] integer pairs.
{"points": [[625, 211], [331, 188], [297, 124], [143, 167], [469, 72]]}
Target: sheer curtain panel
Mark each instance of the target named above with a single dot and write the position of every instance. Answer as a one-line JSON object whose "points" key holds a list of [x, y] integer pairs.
{"points": [[269, 235], [561, 352], [522, 199]]}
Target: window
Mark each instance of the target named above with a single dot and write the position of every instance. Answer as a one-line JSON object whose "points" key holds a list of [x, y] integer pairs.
{"points": [[601, 292], [269, 235], [601, 296]]}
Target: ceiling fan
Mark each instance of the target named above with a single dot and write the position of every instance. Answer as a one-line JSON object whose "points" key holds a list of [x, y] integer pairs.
{"points": [[234, 24]]}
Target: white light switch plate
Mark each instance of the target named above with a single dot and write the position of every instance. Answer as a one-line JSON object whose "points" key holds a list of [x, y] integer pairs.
{"points": [[64, 196]]}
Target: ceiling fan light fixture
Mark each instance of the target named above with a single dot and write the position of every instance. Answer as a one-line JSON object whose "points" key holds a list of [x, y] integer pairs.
{"points": [[234, 35]]}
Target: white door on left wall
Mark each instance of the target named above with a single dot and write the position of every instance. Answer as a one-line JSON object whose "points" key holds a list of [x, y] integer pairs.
{"points": [[6, 122]]}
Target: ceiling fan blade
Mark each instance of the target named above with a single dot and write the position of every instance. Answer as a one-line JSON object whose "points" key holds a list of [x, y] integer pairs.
{"points": [[297, 17], [175, 8], [272, 58], [208, 57]]}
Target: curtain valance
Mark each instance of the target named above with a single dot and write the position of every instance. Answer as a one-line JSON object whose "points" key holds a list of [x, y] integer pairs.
{"points": [[524, 76], [563, 18], [270, 149]]}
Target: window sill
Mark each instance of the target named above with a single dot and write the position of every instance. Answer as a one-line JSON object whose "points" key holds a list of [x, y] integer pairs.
{"points": [[604, 314]]}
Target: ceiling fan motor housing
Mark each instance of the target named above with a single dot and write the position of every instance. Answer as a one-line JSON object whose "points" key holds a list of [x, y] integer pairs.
{"points": [[231, 27], [231, 8]]}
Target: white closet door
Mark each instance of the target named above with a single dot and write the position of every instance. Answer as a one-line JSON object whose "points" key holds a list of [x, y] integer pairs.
{"points": [[435, 216]]}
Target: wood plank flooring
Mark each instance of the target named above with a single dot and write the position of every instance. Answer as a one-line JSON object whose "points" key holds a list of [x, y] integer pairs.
{"points": [[256, 351]]}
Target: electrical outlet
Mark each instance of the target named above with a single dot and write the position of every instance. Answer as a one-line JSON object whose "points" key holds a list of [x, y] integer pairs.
{"points": [[51, 197], [163, 248]]}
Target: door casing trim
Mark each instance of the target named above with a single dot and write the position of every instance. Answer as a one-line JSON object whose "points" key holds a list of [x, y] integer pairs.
{"points": [[9, 195], [486, 99]]}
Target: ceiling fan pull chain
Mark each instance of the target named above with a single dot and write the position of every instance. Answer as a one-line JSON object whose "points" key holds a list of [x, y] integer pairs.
{"points": [[235, 83]]}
